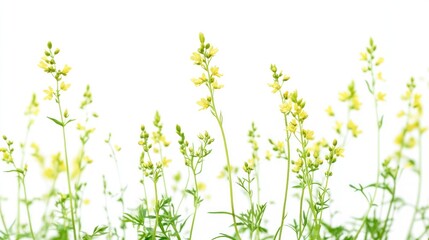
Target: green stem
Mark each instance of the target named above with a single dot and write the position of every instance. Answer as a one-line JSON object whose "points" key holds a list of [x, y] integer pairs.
{"points": [[419, 186], [228, 162], [196, 196], [372, 200], [27, 207], [383, 231], [301, 204], [325, 189], [120, 185], [18, 209], [67, 165], [183, 192], [287, 176], [156, 210]]}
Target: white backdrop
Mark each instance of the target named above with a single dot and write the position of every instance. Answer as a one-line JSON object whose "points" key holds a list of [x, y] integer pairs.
{"points": [[135, 55]]}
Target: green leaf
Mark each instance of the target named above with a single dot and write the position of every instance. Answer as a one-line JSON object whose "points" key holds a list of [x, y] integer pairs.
{"points": [[57, 122], [369, 87], [71, 120]]}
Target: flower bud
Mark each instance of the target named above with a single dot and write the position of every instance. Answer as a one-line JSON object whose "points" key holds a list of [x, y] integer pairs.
{"points": [[49, 44], [202, 38]]}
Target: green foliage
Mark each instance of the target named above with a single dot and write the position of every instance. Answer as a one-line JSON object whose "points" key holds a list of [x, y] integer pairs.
{"points": [[160, 214]]}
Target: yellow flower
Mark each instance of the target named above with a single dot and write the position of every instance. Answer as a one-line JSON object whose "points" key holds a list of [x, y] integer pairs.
{"points": [[216, 85], [276, 86], [285, 107], [268, 155], [292, 126], [343, 96], [406, 95], [381, 96], [302, 115], [330, 111], [66, 69], [49, 93], [379, 61], [212, 51], [117, 148], [355, 103], [64, 86], [399, 138], [43, 65], [339, 152], [196, 57], [204, 103], [363, 56], [200, 80], [338, 126], [308, 134], [380, 76], [86, 201], [354, 128], [166, 162], [201, 186], [215, 71], [400, 114], [49, 173]]}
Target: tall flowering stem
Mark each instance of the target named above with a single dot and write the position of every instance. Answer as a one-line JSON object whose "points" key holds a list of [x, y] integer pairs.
{"points": [[285, 109], [369, 58], [48, 64], [202, 58]]}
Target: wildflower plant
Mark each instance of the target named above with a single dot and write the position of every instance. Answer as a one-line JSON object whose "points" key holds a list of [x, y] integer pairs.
{"points": [[174, 210]]}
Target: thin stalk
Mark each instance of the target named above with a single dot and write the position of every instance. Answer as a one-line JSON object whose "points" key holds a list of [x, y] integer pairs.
{"points": [[306, 173], [251, 206], [183, 192], [372, 200], [287, 176], [419, 185], [120, 185], [325, 189], [195, 203], [390, 204], [156, 210], [27, 207], [301, 204], [18, 207], [225, 145], [145, 198], [67, 166]]}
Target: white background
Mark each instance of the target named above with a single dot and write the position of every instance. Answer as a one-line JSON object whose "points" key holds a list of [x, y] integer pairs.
{"points": [[135, 55]]}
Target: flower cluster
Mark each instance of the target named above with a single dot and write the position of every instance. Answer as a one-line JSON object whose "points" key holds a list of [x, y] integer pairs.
{"points": [[48, 64], [202, 57]]}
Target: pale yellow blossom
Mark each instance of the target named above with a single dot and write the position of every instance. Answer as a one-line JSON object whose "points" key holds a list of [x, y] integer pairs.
{"points": [[330, 111], [66, 69], [204, 103], [197, 58], [64, 86], [49, 93]]}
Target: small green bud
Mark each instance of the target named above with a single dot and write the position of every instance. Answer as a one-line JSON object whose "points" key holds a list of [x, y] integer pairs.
{"points": [[49, 44], [286, 78], [57, 51], [47, 53], [334, 142], [4, 137], [202, 38], [66, 113], [273, 68]]}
